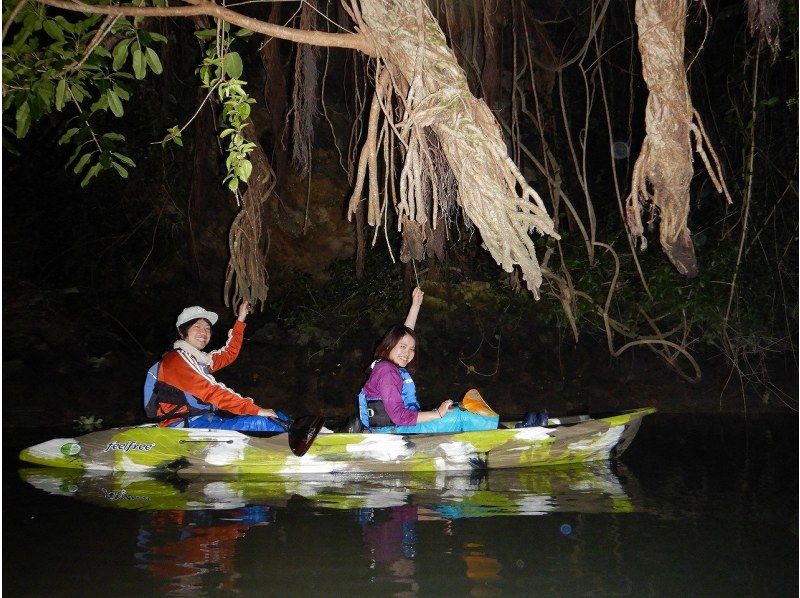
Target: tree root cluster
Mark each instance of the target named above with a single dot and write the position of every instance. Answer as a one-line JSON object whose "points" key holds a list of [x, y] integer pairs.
{"points": [[248, 240], [422, 94]]}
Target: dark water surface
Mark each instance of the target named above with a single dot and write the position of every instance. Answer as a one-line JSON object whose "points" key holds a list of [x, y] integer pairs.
{"points": [[697, 506]]}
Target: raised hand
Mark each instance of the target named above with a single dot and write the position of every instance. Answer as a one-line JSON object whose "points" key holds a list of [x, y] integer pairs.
{"points": [[244, 309], [416, 296]]}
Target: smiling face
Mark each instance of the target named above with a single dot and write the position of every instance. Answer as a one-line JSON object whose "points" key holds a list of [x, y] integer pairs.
{"points": [[198, 334], [403, 352]]}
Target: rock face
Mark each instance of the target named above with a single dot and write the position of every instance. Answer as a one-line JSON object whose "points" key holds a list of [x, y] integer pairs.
{"points": [[308, 229]]}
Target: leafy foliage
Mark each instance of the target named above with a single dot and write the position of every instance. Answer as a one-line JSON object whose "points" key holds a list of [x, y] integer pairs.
{"points": [[81, 67], [221, 70]]}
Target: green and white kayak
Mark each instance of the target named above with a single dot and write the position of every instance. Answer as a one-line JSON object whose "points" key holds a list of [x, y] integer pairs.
{"points": [[149, 447]]}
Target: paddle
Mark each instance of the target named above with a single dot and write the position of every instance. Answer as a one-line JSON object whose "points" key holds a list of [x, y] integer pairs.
{"points": [[302, 431]]}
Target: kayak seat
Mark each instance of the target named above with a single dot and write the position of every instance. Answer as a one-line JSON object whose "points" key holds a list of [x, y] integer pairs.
{"points": [[353, 425]]}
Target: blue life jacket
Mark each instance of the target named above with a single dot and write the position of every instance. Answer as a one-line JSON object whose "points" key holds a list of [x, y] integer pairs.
{"points": [[408, 393], [157, 393]]}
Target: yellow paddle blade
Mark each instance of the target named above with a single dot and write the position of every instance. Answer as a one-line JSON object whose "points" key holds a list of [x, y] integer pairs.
{"points": [[474, 403]]}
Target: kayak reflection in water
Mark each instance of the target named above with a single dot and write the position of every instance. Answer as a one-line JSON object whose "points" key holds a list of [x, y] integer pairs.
{"points": [[182, 549], [180, 390], [388, 402]]}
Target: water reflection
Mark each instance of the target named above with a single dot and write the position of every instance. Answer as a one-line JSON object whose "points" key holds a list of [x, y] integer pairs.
{"points": [[192, 528], [183, 548], [591, 488]]}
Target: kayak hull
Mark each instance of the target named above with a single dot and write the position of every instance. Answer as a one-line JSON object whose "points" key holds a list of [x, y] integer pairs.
{"points": [[151, 448]]}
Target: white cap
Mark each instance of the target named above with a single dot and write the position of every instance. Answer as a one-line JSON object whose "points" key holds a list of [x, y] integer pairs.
{"points": [[194, 312]]}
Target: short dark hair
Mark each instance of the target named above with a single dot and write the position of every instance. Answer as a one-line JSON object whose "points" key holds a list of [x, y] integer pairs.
{"points": [[184, 328], [390, 340]]}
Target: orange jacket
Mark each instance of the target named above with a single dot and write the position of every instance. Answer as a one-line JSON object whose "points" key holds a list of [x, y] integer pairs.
{"points": [[182, 370]]}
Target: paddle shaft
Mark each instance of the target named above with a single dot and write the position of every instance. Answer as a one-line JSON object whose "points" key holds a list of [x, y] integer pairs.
{"points": [[280, 422]]}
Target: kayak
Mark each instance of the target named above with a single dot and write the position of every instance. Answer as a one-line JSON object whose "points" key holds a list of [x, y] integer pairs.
{"points": [[585, 488], [150, 448]]}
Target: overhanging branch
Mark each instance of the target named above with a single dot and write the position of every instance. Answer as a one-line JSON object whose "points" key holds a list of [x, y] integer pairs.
{"points": [[352, 41]]}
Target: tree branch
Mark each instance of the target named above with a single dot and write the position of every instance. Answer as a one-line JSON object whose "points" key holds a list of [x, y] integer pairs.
{"points": [[12, 16], [353, 41]]}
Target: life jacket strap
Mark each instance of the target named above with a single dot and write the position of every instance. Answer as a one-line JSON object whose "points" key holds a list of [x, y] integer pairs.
{"points": [[166, 394]]}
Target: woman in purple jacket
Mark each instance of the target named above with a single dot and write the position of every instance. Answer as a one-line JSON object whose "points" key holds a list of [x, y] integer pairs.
{"points": [[388, 401]]}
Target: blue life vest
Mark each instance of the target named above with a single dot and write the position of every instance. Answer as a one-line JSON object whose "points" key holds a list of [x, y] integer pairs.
{"points": [[152, 398], [408, 393]]}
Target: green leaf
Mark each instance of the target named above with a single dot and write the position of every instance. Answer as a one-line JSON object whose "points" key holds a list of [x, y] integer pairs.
{"points": [[67, 136], [45, 90], [114, 103], [178, 141], [61, 92], [243, 32], [206, 33], [100, 104], [92, 172], [157, 37], [120, 54], [81, 163], [139, 64], [23, 117], [113, 136], [64, 24], [77, 92], [121, 92], [125, 159], [74, 154], [52, 29], [101, 51], [769, 103], [233, 184], [154, 61], [233, 65], [122, 172], [244, 169]]}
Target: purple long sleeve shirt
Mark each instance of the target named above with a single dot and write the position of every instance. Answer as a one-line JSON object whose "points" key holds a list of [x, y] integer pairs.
{"points": [[385, 382]]}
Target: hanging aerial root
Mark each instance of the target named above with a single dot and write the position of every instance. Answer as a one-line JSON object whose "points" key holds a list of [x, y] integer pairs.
{"points": [[663, 171], [248, 241], [433, 101]]}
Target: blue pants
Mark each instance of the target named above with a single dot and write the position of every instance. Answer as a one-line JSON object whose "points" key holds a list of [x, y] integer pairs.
{"points": [[240, 423], [455, 420]]}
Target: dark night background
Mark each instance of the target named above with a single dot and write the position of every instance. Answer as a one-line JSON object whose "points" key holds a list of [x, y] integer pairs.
{"points": [[93, 278]]}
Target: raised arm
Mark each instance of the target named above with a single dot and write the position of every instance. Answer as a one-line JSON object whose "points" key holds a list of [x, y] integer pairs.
{"points": [[413, 311]]}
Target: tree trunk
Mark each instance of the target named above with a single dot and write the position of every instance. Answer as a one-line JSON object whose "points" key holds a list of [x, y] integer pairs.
{"points": [[275, 97]]}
